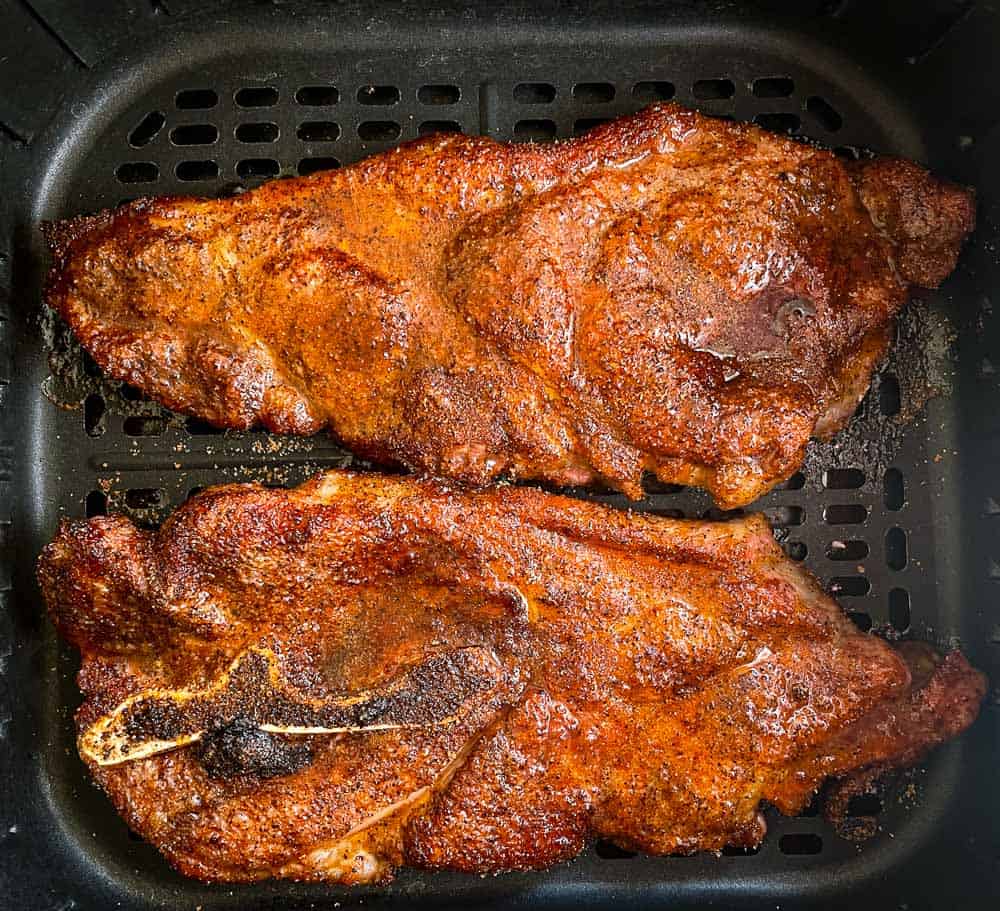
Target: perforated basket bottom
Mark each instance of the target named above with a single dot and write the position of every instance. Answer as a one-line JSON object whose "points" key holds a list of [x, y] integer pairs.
{"points": [[849, 515]]}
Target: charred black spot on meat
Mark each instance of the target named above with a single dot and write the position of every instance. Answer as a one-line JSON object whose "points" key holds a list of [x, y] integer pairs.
{"points": [[241, 749], [434, 692]]}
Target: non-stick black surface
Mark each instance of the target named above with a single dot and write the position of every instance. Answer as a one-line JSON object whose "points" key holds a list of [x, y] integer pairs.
{"points": [[900, 516]]}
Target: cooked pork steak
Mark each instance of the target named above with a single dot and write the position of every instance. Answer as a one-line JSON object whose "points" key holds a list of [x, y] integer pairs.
{"points": [[364, 672], [669, 293]]}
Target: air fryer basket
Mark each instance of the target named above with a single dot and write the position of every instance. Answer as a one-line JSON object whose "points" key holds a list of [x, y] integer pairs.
{"points": [[900, 517]]}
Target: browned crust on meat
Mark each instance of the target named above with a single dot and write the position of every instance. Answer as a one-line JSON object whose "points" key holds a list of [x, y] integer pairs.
{"points": [[641, 679], [630, 300], [926, 218]]}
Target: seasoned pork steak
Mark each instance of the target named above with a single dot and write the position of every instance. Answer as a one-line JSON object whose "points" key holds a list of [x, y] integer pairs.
{"points": [[364, 672], [668, 293]]}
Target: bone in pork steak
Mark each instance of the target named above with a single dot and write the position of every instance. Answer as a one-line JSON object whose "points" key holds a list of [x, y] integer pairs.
{"points": [[364, 672], [668, 293]]}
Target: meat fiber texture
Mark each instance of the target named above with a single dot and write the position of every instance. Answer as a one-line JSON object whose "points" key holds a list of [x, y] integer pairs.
{"points": [[669, 293], [328, 682]]}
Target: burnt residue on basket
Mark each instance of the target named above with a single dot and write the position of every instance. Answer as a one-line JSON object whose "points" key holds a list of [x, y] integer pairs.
{"points": [[920, 367]]}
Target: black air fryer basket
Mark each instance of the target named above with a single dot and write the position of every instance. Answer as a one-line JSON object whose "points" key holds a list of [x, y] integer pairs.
{"points": [[107, 100]]}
